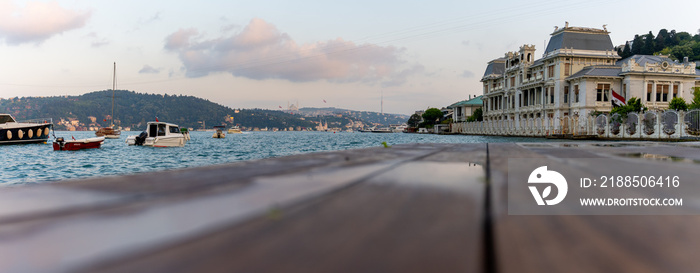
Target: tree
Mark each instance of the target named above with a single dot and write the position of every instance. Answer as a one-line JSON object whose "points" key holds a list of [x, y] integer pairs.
{"points": [[432, 115], [678, 104], [660, 41], [695, 103], [478, 115], [627, 51], [633, 105], [414, 120], [637, 45], [648, 48]]}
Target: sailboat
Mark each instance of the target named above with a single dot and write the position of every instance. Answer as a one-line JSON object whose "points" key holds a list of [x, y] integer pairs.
{"points": [[111, 132]]}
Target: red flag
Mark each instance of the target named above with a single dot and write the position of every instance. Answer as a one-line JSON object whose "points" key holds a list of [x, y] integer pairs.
{"points": [[280, 106], [617, 98], [72, 137], [324, 101], [157, 119]]}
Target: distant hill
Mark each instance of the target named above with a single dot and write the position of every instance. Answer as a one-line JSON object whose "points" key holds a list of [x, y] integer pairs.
{"points": [[134, 110], [365, 116]]}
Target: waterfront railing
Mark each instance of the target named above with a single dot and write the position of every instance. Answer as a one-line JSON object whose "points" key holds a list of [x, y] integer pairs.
{"points": [[669, 124]]}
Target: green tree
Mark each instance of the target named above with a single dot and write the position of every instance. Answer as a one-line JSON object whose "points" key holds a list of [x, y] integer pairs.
{"points": [[660, 41], [478, 115], [649, 47], [637, 45], [432, 115], [695, 103], [627, 51], [414, 120], [678, 104], [633, 105]]}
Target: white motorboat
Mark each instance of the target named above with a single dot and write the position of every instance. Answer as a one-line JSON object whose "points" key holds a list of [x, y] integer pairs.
{"points": [[159, 134]]}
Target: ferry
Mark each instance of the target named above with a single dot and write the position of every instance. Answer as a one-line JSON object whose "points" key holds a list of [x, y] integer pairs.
{"points": [[13, 132], [159, 134]]}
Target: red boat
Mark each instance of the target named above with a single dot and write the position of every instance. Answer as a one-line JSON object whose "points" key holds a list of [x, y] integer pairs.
{"points": [[61, 144]]}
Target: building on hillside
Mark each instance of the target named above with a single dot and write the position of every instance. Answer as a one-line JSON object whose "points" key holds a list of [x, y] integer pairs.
{"points": [[576, 75], [463, 109]]}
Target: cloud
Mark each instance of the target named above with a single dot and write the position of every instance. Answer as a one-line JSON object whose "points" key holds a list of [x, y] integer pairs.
{"points": [[260, 51], [147, 69], [97, 41], [467, 74], [37, 21]]}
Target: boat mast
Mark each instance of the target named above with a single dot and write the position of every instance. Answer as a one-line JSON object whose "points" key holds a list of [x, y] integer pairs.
{"points": [[114, 84]]}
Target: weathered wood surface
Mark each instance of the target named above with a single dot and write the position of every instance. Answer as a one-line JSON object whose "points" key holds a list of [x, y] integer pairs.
{"points": [[408, 208]]}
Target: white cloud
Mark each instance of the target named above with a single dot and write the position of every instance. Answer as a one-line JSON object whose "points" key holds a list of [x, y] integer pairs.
{"points": [[37, 21], [260, 51], [147, 69]]}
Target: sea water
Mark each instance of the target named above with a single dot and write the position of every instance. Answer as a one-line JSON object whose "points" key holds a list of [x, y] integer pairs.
{"points": [[39, 163]]}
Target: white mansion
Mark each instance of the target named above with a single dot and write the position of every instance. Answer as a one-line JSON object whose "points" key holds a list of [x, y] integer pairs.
{"points": [[575, 76]]}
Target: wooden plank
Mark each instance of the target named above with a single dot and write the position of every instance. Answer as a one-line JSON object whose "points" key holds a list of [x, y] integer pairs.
{"points": [[590, 243], [145, 217], [417, 217]]}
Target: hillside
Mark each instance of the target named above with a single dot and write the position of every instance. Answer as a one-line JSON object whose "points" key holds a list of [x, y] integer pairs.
{"points": [[365, 116], [134, 110], [676, 45]]}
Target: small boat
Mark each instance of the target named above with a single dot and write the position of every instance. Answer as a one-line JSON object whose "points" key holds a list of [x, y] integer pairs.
{"points": [[234, 130], [219, 133], [13, 132], [159, 134], [108, 132], [61, 144]]}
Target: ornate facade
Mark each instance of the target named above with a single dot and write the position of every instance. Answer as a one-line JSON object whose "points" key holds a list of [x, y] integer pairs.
{"points": [[576, 75]]}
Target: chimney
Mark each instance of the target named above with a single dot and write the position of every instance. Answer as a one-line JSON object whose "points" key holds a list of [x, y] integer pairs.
{"points": [[685, 59]]}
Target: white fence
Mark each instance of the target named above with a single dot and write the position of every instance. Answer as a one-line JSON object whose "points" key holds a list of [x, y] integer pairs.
{"points": [[649, 125]]}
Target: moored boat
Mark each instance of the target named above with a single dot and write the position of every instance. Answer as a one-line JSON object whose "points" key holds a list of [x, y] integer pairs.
{"points": [[13, 132], [234, 130], [219, 133], [108, 132], [159, 134], [60, 144]]}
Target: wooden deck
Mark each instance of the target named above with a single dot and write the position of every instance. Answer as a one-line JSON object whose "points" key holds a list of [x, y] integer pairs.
{"points": [[407, 208]]}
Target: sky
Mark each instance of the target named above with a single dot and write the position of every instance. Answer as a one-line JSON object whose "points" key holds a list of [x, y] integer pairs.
{"points": [[411, 55]]}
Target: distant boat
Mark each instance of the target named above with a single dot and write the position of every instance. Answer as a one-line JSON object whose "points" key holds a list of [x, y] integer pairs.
{"points": [[219, 133], [61, 144], [159, 134], [382, 130], [398, 128], [13, 132], [110, 132], [234, 130]]}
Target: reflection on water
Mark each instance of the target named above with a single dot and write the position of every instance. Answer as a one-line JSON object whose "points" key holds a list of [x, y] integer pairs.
{"points": [[39, 163]]}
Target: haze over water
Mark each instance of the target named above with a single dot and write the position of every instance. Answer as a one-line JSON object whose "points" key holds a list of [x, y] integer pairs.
{"points": [[38, 163]]}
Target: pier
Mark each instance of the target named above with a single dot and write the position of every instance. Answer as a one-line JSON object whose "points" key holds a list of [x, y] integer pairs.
{"points": [[405, 208]]}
